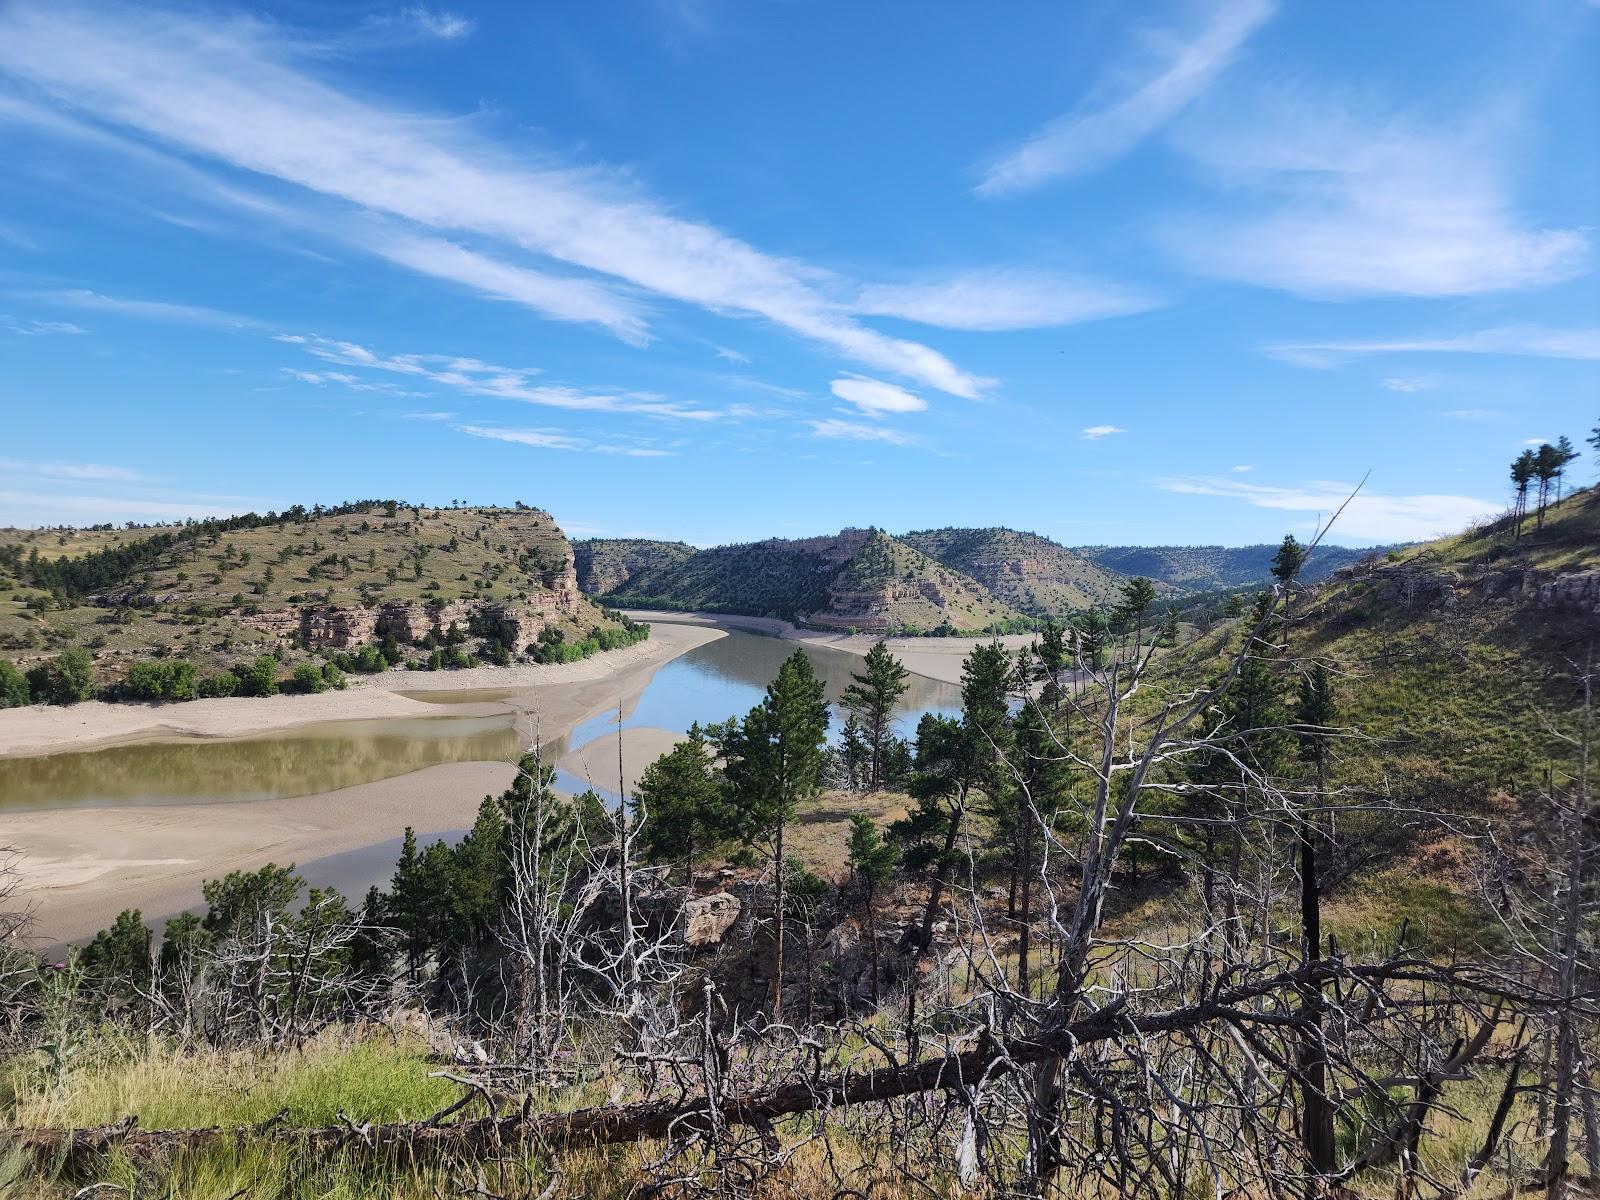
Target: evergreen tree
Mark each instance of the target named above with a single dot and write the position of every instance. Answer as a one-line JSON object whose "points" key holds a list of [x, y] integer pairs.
{"points": [[775, 758], [871, 699], [14, 690], [871, 861], [1522, 473], [681, 804], [1138, 594], [986, 679], [118, 963], [854, 757], [1291, 556], [1052, 651]]}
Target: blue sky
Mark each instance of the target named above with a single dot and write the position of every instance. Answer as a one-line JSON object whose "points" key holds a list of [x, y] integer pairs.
{"points": [[718, 271]]}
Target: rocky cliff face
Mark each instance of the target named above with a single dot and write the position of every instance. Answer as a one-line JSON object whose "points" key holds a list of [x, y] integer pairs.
{"points": [[319, 627]]}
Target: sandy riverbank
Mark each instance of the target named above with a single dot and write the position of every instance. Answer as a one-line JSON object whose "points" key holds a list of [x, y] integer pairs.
{"points": [[41, 729], [78, 868], [934, 658], [595, 761]]}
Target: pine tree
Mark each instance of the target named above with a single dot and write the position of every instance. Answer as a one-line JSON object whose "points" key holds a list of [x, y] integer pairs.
{"points": [[871, 861], [1315, 710], [1522, 473], [774, 759], [681, 804], [1138, 594], [1291, 556], [871, 698]]}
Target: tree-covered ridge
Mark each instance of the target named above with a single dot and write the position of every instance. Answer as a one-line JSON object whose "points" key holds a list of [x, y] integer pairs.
{"points": [[605, 565], [219, 592], [1216, 568], [1025, 570], [857, 578]]}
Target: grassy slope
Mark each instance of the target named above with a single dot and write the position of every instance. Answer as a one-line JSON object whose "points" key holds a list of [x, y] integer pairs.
{"points": [[1028, 572], [1213, 568], [189, 602], [606, 564], [809, 578]]}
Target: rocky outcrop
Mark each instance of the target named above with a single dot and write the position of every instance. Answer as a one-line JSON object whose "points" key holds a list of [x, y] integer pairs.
{"points": [[707, 919], [319, 627]]}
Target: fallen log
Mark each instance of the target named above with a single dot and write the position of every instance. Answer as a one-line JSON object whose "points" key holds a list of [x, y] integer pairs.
{"points": [[656, 1119]]}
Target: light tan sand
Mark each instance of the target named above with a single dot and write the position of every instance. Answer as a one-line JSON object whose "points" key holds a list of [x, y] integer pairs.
{"points": [[80, 867], [934, 658], [596, 761], [164, 852], [41, 729]]}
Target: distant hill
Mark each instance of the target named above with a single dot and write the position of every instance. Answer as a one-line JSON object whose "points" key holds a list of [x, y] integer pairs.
{"points": [[605, 565], [857, 579], [1031, 573], [305, 580], [1213, 568]]}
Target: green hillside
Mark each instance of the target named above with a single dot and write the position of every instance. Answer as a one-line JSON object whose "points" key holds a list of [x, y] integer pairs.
{"points": [[1215, 568], [605, 565], [861, 579], [1030, 573], [217, 592]]}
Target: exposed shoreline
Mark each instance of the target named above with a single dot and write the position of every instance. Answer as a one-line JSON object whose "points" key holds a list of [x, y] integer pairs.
{"points": [[934, 658], [95, 724], [78, 868]]}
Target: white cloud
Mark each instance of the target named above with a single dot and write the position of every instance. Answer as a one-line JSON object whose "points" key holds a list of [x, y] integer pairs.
{"points": [[1338, 206], [1133, 102], [446, 26], [546, 439], [1002, 298], [71, 470], [1369, 516], [1095, 432], [873, 397], [733, 356], [147, 310], [1408, 383], [39, 328], [477, 378], [1241, 469], [34, 508], [229, 89], [1530, 341], [856, 432]]}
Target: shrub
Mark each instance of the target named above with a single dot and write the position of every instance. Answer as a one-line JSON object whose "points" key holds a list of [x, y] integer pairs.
{"points": [[307, 678], [14, 691], [369, 660], [223, 683], [172, 679], [260, 678], [65, 679], [333, 676]]}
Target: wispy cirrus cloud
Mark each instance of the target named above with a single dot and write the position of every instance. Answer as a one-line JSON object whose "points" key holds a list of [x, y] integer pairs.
{"points": [[874, 398], [1330, 203], [446, 26], [233, 91], [477, 378], [1094, 433], [1530, 341], [1369, 516], [71, 470], [994, 299], [1135, 100], [854, 431], [146, 310], [551, 439], [32, 328]]}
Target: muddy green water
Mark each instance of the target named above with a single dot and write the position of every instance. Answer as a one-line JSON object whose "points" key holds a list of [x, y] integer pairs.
{"points": [[709, 683]]}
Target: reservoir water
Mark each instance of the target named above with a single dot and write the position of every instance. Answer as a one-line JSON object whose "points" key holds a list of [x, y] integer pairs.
{"points": [[709, 683]]}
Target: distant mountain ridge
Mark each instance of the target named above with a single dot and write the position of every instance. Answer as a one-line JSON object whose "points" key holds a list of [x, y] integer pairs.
{"points": [[966, 579], [1213, 568]]}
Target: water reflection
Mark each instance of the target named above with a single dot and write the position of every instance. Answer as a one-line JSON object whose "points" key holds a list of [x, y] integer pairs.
{"points": [[712, 682]]}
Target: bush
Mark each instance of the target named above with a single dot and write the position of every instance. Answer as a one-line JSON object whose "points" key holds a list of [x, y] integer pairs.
{"points": [[223, 683], [14, 691], [333, 676], [65, 679], [260, 678], [307, 678], [369, 660], [170, 679]]}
